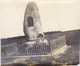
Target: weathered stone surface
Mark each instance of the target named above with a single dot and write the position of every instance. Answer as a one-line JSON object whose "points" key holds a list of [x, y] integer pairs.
{"points": [[32, 22]]}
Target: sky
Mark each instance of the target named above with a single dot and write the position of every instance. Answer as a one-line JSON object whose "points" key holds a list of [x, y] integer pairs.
{"points": [[56, 15]]}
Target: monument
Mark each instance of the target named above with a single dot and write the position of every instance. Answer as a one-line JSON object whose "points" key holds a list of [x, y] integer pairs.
{"points": [[37, 44], [32, 22]]}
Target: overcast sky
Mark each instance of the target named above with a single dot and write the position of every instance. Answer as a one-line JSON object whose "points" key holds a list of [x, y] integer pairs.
{"points": [[56, 15]]}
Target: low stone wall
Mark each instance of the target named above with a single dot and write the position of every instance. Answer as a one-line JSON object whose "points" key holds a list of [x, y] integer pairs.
{"points": [[57, 43]]}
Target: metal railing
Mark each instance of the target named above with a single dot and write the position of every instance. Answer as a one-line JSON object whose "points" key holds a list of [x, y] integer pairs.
{"points": [[39, 49]]}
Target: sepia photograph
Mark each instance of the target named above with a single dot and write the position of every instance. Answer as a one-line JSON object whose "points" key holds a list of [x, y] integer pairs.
{"points": [[40, 32]]}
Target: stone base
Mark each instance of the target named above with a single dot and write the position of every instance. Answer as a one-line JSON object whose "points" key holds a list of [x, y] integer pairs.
{"points": [[60, 51]]}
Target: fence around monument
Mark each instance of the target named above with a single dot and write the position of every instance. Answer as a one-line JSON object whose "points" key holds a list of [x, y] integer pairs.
{"points": [[39, 49], [43, 49]]}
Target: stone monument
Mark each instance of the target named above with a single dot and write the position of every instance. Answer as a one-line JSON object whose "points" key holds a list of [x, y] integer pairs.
{"points": [[32, 22], [37, 44]]}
